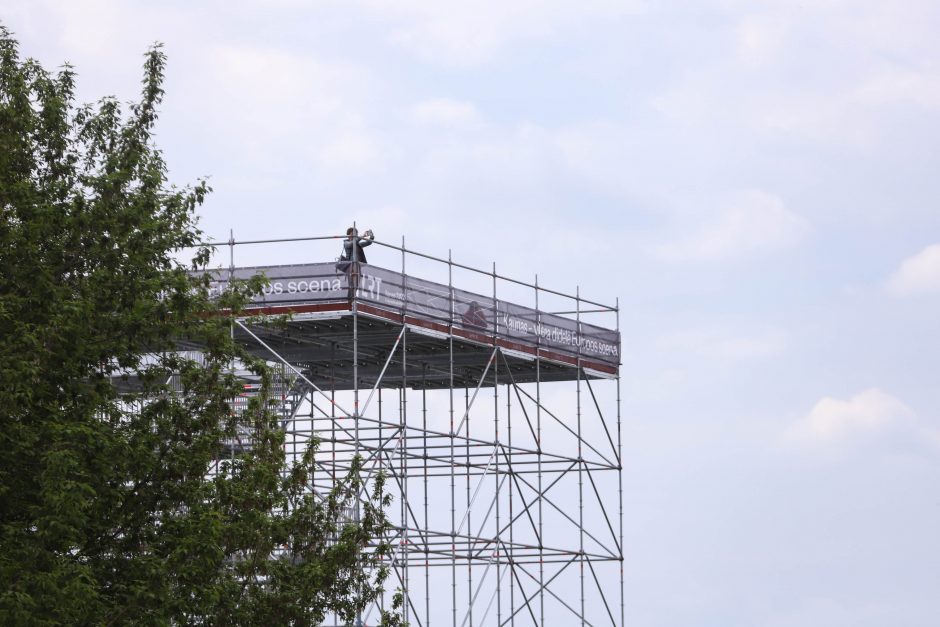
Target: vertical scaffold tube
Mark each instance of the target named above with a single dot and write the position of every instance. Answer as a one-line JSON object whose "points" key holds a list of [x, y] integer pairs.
{"points": [[509, 557], [468, 516], [453, 466], [403, 425], [333, 406], [355, 316], [538, 443], [580, 458], [424, 436], [496, 478], [620, 477]]}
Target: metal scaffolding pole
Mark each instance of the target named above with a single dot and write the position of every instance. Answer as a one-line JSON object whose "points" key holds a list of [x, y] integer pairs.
{"points": [[496, 476]]}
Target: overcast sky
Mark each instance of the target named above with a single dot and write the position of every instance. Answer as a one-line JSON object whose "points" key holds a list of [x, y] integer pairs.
{"points": [[756, 182]]}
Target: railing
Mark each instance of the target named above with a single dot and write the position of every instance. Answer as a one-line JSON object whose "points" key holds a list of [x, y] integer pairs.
{"points": [[291, 286]]}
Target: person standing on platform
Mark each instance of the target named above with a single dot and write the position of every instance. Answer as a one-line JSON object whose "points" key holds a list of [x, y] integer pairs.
{"points": [[352, 256]]}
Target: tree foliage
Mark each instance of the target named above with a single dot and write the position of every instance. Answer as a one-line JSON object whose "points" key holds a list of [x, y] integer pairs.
{"points": [[109, 513]]}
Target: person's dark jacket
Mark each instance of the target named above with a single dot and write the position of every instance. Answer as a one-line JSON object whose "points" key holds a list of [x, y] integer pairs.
{"points": [[360, 242]]}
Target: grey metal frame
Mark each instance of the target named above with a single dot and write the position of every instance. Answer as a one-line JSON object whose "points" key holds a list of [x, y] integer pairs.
{"points": [[540, 448]]}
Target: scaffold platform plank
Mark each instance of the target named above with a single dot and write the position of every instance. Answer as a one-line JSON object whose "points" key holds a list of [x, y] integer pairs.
{"points": [[326, 316]]}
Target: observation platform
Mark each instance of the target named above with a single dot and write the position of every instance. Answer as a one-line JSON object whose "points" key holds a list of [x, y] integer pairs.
{"points": [[335, 331]]}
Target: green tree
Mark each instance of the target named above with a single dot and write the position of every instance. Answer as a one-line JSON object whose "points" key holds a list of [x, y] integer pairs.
{"points": [[109, 513]]}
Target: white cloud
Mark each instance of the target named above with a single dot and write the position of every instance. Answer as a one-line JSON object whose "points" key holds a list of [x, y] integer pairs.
{"points": [[715, 345], [919, 274], [762, 39], [870, 417], [350, 152], [266, 90], [275, 109], [848, 112], [831, 73], [746, 347], [446, 112], [470, 33], [871, 411], [892, 84], [751, 221]]}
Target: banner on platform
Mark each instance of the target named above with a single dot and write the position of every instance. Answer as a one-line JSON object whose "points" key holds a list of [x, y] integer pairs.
{"points": [[324, 282]]}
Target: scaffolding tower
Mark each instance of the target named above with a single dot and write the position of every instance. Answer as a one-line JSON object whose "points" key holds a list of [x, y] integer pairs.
{"points": [[493, 413]]}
